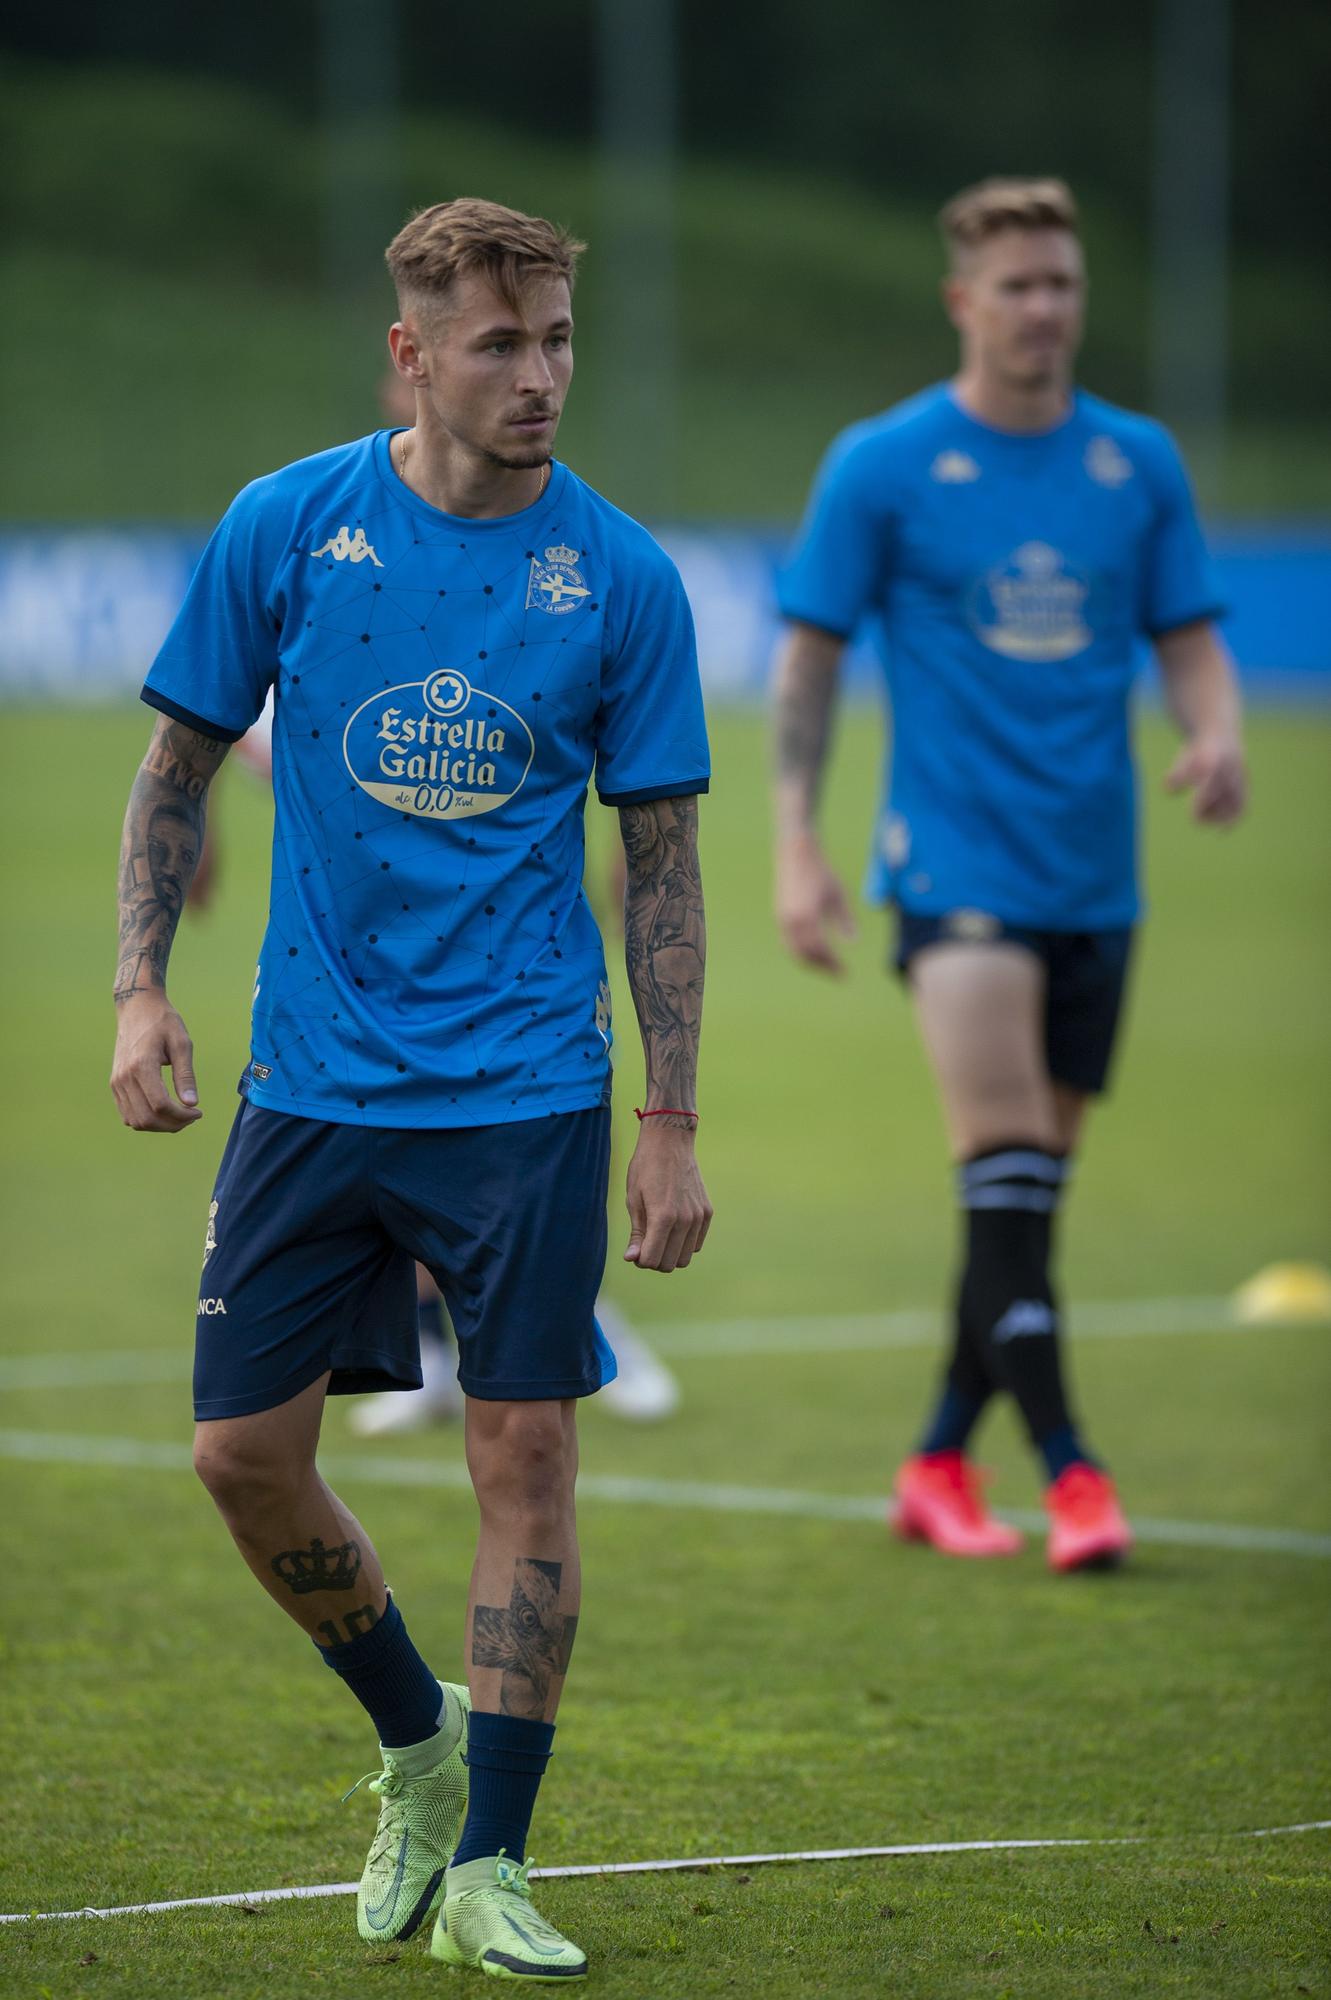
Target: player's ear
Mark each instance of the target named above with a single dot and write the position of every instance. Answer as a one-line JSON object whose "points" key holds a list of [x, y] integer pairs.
{"points": [[953, 293], [404, 344]]}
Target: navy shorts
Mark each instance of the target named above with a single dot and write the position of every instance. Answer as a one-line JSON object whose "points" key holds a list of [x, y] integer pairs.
{"points": [[1086, 979], [313, 1235]]}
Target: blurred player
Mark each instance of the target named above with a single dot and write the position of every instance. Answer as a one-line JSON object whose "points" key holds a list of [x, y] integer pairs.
{"points": [[1012, 540], [456, 629]]}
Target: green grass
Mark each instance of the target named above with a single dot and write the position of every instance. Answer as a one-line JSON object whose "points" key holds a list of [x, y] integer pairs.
{"points": [[744, 1682]]}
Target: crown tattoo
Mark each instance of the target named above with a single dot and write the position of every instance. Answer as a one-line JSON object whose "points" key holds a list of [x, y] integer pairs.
{"points": [[318, 1568]]}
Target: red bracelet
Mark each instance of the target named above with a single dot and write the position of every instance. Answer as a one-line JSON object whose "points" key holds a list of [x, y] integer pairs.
{"points": [[666, 1113]]}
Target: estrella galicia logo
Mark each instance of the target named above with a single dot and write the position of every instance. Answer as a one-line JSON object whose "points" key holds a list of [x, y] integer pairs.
{"points": [[555, 585], [440, 748], [1032, 606]]}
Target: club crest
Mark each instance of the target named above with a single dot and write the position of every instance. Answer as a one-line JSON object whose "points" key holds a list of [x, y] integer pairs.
{"points": [[210, 1234], [555, 584]]}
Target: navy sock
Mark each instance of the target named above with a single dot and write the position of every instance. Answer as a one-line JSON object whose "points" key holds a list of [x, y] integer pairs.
{"points": [[506, 1760], [389, 1679], [1062, 1448], [954, 1418]]}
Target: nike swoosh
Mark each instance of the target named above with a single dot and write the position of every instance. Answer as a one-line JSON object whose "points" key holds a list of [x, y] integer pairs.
{"points": [[541, 1950], [372, 1915]]}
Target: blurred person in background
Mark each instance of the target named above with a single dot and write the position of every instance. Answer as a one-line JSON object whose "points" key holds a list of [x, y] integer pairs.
{"points": [[643, 1390], [1011, 540], [429, 1078]]}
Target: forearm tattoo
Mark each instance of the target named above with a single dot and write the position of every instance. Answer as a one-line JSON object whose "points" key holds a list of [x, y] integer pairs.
{"points": [[804, 703], [529, 1639], [665, 942], [160, 848]]}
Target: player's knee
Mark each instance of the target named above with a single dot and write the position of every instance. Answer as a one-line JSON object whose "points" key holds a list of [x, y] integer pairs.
{"points": [[243, 1476], [525, 1458]]}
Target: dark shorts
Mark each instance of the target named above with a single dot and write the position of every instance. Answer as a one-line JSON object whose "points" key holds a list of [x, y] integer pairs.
{"points": [[313, 1236], [1086, 979]]}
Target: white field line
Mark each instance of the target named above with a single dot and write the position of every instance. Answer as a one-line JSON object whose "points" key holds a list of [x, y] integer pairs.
{"points": [[76, 1448], [250, 1898], [685, 1340]]}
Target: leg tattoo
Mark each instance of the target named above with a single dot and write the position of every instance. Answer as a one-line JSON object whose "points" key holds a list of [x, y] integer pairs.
{"points": [[529, 1639], [317, 1567]]}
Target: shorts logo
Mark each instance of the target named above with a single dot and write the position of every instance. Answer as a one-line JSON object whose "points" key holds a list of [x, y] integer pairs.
{"points": [[555, 584], [1106, 464], [954, 468], [346, 547], [210, 1233], [971, 926], [1032, 606], [209, 1308], [1025, 1317], [439, 748]]}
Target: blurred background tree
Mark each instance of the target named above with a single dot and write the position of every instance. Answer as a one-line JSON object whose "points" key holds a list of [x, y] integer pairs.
{"points": [[195, 202]]}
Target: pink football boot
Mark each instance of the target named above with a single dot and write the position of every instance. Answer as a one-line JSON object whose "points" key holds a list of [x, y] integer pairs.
{"points": [[1087, 1529], [938, 1500]]}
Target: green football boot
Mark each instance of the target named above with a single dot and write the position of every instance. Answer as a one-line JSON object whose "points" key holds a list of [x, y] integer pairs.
{"points": [[420, 1819], [488, 1922]]}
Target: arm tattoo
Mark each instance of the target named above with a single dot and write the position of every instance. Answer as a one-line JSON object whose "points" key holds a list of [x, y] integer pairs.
{"points": [[665, 941], [529, 1639], [803, 729], [160, 848]]}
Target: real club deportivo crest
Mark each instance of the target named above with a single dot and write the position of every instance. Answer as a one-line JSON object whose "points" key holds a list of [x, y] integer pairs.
{"points": [[346, 547], [555, 584], [1106, 464]]}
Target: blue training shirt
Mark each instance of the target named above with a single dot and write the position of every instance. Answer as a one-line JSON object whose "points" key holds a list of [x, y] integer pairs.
{"points": [[1009, 581], [443, 689]]}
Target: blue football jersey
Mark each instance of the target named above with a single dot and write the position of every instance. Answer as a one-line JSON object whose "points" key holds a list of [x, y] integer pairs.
{"points": [[443, 690], [1009, 582]]}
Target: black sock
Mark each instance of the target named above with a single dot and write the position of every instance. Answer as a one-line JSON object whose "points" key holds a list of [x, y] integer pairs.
{"points": [[1010, 1194], [967, 1385]]}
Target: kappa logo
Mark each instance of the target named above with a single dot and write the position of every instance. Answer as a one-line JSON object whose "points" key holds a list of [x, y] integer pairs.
{"points": [[954, 468], [1024, 1317], [210, 1308], [210, 1233], [346, 547], [555, 584]]}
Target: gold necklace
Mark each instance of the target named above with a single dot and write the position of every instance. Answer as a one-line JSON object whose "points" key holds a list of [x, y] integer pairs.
{"points": [[402, 469]]}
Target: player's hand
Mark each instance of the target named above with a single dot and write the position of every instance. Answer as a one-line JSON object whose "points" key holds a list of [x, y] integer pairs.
{"points": [[1213, 770], [669, 1213], [151, 1037], [810, 902]]}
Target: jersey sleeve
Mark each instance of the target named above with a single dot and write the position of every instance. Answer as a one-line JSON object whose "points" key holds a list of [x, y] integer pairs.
{"points": [[220, 657], [841, 552], [1179, 584], [651, 735]]}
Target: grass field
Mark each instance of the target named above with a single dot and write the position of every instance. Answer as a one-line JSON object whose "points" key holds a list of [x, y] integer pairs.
{"points": [[757, 1671]]}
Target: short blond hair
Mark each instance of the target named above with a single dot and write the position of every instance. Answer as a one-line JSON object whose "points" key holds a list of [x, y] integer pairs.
{"points": [[454, 238], [1005, 201]]}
